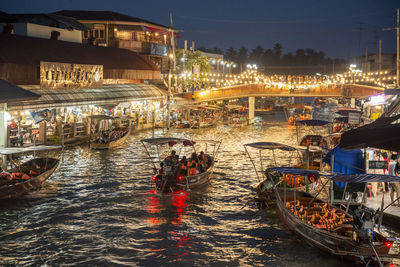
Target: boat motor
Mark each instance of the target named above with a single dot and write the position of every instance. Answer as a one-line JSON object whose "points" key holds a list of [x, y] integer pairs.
{"points": [[364, 222]]}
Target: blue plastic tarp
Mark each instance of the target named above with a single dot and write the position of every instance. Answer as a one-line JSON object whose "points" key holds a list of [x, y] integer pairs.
{"points": [[346, 162]]}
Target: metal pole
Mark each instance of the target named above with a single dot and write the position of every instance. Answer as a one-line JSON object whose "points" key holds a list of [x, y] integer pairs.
{"points": [[398, 50], [380, 56], [332, 168]]}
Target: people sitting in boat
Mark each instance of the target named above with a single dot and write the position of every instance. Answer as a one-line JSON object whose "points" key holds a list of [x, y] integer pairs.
{"points": [[193, 164], [5, 176], [168, 167], [203, 162], [35, 171], [20, 175], [182, 167], [173, 157]]}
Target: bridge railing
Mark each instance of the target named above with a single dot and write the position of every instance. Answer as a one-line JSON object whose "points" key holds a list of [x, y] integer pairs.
{"points": [[246, 90]]}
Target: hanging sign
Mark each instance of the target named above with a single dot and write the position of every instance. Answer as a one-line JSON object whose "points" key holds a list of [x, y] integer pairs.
{"points": [[55, 75], [354, 118], [377, 164]]}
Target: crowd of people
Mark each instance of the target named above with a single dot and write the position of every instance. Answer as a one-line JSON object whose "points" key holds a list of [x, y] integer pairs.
{"points": [[393, 168], [195, 164], [109, 136]]}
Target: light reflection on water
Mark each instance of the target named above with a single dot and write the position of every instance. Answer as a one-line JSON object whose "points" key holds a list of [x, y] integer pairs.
{"points": [[100, 208]]}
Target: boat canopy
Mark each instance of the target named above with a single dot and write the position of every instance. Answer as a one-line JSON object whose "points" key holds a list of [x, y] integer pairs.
{"points": [[270, 145], [297, 171], [171, 141], [312, 122], [20, 150], [340, 177], [364, 178]]}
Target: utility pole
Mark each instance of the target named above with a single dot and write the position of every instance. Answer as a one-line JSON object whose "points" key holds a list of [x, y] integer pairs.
{"points": [[397, 28], [380, 56], [172, 57]]}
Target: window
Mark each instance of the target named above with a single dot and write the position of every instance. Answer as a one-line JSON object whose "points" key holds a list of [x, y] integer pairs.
{"points": [[85, 34], [124, 35], [102, 34], [96, 33]]}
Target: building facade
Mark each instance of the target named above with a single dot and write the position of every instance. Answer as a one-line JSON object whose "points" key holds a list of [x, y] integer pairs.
{"points": [[72, 82], [112, 29]]}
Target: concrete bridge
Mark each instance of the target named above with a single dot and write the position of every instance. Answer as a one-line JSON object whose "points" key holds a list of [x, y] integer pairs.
{"points": [[253, 90]]}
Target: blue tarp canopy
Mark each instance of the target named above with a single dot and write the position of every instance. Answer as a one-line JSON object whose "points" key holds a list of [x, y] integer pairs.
{"points": [[312, 122], [270, 145], [346, 162], [364, 178]]}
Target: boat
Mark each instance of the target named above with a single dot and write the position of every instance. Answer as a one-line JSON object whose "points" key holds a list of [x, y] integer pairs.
{"points": [[29, 175], [111, 139], [330, 228], [168, 177], [108, 132], [272, 154], [295, 114]]}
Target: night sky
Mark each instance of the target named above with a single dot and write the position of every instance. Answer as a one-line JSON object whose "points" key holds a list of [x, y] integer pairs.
{"points": [[339, 28]]}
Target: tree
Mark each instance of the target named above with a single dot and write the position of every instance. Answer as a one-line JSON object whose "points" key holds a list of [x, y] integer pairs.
{"points": [[242, 55], [191, 59], [256, 55], [277, 50], [217, 50], [300, 58], [231, 55], [268, 57]]}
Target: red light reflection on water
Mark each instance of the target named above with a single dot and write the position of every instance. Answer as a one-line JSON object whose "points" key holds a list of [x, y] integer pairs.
{"points": [[179, 199], [174, 217]]}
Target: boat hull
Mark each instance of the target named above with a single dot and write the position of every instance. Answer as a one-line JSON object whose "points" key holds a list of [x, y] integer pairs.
{"points": [[188, 182], [330, 242], [17, 189]]}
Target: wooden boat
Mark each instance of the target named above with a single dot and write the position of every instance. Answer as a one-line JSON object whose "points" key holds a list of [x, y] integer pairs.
{"points": [[170, 179], [34, 172], [238, 121], [98, 143], [329, 228]]}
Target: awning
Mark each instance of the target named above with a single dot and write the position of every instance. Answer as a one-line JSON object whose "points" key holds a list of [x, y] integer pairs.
{"points": [[364, 178], [109, 94], [29, 149], [382, 133], [11, 93], [270, 145], [171, 141]]}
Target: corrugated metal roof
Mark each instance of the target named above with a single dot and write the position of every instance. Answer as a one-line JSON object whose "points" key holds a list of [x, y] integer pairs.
{"points": [[29, 50], [51, 20], [10, 93], [109, 94]]}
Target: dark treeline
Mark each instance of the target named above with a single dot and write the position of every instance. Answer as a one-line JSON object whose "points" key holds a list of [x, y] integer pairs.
{"points": [[275, 57]]}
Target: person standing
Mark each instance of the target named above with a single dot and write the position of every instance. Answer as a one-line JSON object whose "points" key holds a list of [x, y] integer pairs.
{"points": [[395, 186]]}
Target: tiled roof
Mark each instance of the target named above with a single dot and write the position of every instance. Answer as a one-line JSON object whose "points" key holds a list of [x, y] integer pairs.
{"points": [[29, 50]]}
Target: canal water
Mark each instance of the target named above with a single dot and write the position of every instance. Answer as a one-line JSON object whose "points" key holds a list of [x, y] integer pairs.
{"points": [[100, 209]]}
